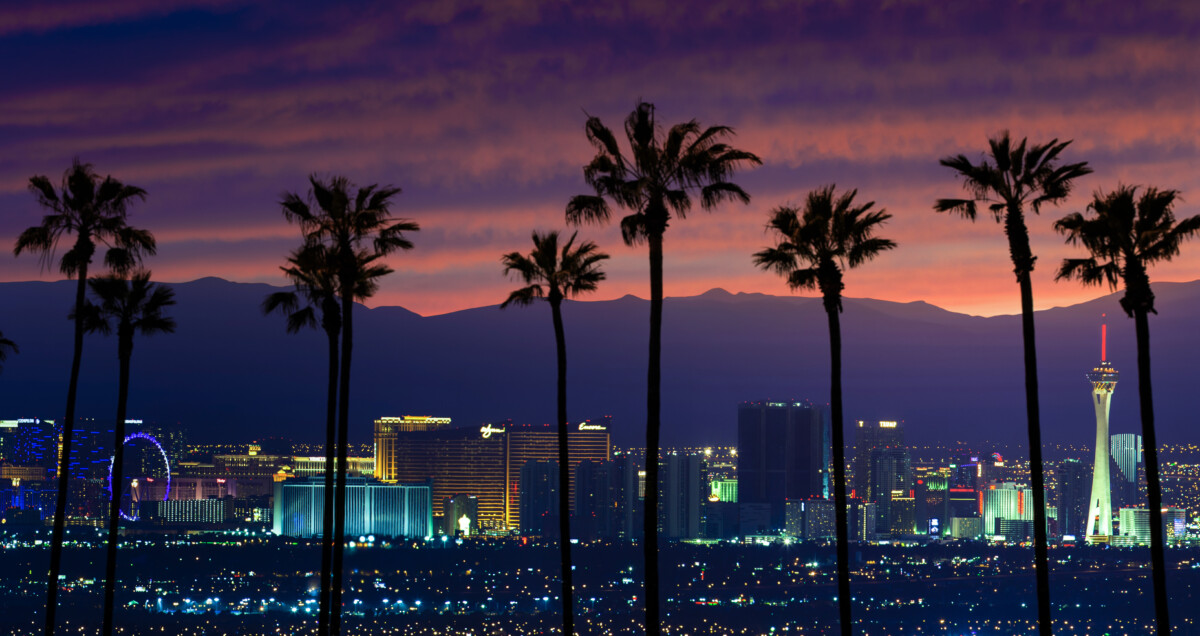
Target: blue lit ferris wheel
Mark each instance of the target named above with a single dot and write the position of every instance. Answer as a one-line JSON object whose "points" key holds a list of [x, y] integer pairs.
{"points": [[149, 475]]}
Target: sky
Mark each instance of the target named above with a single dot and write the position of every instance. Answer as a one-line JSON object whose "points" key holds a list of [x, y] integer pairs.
{"points": [[477, 109]]}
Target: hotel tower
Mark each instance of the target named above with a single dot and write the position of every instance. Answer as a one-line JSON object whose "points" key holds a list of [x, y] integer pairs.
{"points": [[1103, 379]]}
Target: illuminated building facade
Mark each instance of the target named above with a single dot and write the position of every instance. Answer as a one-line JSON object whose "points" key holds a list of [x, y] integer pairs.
{"points": [[1103, 379], [869, 436], [1005, 502], [372, 508], [1135, 526], [725, 490], [1126, 450], [483, 461], [783, 454]]}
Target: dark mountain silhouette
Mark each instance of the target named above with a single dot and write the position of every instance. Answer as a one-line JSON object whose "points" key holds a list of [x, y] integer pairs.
{"points": [[229, 373]]}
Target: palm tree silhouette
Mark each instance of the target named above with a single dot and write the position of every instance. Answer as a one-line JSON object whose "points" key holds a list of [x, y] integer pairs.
{"points": [[94, 211], [6, 346], [1128, 234], [656, 181], [815, 246], [356, 229], [128, 307], [314, 303], [1007, 181], [552, 276]]}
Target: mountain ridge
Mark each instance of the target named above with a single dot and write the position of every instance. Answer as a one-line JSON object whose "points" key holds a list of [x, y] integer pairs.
{"points": [[229, 371]]}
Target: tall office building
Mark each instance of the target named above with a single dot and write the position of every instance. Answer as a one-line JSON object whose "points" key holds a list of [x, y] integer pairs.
{"points": [[1103, 379], [483, 461], [1073, 480], [372, 508], [869, 436], [891, 472], [538, 507], [597, 500], [783, 453], [681, 494], [1126, 449]]}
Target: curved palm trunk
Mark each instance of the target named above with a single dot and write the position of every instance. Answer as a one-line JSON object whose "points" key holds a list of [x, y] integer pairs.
{"points": [[564, 477], [64, 467], [839, 471], [118, 477], [1041, 553], [1154, 486], [327, 519], [653, 401], [339, 528]]}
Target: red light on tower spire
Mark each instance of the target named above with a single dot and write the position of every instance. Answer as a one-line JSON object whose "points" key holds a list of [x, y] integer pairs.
{"points": [[1103, 340]]}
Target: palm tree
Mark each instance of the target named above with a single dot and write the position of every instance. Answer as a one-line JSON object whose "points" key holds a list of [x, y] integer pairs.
{"points": [[356, 229], [314, 303], [6, 345], [130, 307], [1128, 234], [814, 247], [1007, 181], [553, 276], [656, 181], [93, 210]]}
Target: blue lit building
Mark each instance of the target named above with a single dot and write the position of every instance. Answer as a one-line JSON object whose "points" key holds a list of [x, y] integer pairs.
{"points": [[372, 508]]}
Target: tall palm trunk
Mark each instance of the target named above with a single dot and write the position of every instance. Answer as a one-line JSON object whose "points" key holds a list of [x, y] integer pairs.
{"points": [[327, 519], [1023, 261], [653, 401], [64, 456], [1154, 486], [564, 476], [839, 469], [118, 479], [339, 537], [1040, 550]]}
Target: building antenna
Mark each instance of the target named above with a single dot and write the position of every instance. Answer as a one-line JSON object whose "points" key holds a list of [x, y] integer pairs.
{"points": [[1103, 340]]}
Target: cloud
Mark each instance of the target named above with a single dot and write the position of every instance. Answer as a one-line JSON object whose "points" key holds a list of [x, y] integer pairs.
{"points": [[476, 109]]}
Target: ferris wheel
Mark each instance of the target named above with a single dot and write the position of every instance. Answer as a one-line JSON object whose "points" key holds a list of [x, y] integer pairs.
{"points": [[147, 474]]}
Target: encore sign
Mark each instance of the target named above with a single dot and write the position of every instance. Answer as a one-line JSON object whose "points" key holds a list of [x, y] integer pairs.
{"points": [[584, 426], [487, 429]]}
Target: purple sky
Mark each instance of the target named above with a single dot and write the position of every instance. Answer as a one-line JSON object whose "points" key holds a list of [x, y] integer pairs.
{"points": [[476, 110]]}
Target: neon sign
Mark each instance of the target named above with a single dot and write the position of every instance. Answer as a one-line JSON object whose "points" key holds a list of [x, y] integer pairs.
{"points": [[585, 426], [487, 429]]}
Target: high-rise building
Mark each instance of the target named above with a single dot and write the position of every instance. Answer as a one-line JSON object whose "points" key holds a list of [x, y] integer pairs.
{"points": [[783, 453], [891, 472], [1103, 379], [1126, 449], [1135, 526], [1005, 501], [460, 515], [597, 500], [869, 436], [538, 508], [681, 495], [1073, 480], [483, 461], [372, 508]]}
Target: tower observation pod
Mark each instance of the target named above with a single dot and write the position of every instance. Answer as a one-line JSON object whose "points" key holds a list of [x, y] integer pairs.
{"points": [[1103, 379]]}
